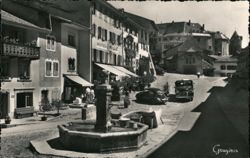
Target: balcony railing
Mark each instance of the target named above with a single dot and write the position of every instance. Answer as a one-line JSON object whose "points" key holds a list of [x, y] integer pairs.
{"points": [[19, 50]]}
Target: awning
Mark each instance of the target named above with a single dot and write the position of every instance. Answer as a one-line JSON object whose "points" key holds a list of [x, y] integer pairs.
{"points": [[125, 71], [79, 80], [112, 69]]}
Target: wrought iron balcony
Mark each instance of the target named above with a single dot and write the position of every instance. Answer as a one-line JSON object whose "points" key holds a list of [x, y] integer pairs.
{"points": [[19, 50]]}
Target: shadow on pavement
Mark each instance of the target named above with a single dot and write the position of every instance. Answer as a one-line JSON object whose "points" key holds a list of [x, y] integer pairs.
{"points": [[213, 135]]}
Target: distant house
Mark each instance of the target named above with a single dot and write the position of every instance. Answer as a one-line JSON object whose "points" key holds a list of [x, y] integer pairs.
{"points": [[224, 65], [220, 43], [187, 58], [175, 33]]}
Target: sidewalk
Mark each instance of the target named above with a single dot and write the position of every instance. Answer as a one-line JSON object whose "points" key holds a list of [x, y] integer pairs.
{"points": [[37, 118]]}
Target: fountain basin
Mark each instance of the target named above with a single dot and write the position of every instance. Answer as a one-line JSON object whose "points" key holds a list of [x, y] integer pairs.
{"points": [[81, 136]]}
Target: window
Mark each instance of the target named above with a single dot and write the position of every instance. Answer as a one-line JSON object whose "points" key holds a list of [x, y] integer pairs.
{"points": [[50, 43], [24, 99], [71, 40], [101, 59], [55, 68], [94, 8], [94, 30], [4, 67], [71, 64], [223, 67], [95, 55], [23, 68], [119, 60], [231, 67], [105, 35], [165, 39], [99, 32], [48, 68], [106, 58], [119, 40], [114, 58], [51, 68]]}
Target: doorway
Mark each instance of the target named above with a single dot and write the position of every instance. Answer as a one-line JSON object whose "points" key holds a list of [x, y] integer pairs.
{"points": [[4, 104], [45, 98]]}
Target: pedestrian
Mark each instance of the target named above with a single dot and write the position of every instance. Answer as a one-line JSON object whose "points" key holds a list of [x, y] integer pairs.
{"points": [[92, 94], [198, 74], [126, 100]]}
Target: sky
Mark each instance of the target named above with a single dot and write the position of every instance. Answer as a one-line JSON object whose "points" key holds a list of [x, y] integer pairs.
{"points": [[224, 16]]}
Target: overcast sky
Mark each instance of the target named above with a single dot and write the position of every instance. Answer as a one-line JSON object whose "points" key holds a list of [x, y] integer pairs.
{"points": [[217, 16]]}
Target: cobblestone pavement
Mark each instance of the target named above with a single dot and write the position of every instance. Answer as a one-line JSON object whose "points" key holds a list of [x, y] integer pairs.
{"points": [[172, 113]]}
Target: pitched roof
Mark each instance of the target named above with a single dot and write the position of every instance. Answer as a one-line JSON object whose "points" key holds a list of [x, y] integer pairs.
{"points": [[223, 58], [180, 27], [9, 18], [218, 35], [144, 22], [235, 36], [77, 11], [189, 45]]}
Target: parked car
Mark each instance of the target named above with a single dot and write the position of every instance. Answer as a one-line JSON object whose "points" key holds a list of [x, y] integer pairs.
{"points": [[152, 96], [184, 89], [159, 70]]}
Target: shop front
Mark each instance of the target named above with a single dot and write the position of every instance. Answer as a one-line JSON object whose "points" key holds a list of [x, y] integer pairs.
{"points": [[74, 86]]}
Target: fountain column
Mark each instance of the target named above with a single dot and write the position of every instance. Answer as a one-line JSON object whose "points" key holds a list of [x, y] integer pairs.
{"points": [[103, 96]]}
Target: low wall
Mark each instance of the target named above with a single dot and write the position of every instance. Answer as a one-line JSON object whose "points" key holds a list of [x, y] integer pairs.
{"points": [[100, 142]]}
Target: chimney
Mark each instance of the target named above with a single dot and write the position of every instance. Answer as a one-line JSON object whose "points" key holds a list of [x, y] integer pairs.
{"points": [[172, 21], [189, 22], [203, 27]]}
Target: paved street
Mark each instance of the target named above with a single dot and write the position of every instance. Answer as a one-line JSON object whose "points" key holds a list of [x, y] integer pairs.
{"points": [[172, 114], [214, 134]]}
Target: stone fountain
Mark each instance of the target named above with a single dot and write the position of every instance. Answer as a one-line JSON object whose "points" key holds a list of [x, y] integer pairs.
{"points": [[104, 134]]}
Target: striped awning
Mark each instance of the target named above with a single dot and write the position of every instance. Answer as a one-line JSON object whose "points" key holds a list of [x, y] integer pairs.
{"points": [[125, 71], [112, 69], [79, 80]]}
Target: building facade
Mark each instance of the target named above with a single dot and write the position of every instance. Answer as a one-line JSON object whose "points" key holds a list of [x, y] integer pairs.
{"points": [[20, 59], [224, 66]]}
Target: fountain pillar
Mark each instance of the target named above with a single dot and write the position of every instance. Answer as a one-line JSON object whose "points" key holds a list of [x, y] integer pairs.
{"points": [[103, 118]]}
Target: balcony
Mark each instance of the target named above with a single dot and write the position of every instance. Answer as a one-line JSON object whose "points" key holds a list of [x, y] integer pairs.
{"points": [[20, 50]]}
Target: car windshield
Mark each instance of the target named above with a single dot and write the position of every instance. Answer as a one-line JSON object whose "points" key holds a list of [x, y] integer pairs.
{"points": [[184, 83]]}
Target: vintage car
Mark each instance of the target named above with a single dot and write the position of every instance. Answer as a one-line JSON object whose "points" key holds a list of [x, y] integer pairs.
{"points": [[184, 89], [152, 96]]}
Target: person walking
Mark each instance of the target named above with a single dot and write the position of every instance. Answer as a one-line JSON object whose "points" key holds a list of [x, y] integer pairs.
{"points": [[126, 100]]}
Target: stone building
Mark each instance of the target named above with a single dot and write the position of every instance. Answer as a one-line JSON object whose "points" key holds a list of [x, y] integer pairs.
{"points": [[175, 33], [187, 58], [147, 29], [235, 44], [220, 43]]}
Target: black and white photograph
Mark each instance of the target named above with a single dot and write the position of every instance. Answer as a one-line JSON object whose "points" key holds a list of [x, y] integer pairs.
{"points": [[124, 79]]}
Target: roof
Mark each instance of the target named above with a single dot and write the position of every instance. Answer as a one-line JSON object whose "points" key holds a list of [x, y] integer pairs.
{"points": [[189, 45], [235, 36], [218, 35], [201, 34], [13, 19], [144, 22], [77, 11], [179, 27], [223, 58]]}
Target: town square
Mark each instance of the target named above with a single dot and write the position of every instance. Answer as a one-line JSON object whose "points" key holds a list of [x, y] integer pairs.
{"points": [[124, 79]]}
